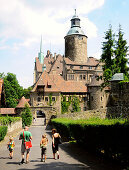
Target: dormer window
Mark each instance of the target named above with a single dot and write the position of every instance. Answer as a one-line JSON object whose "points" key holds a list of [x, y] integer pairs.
{"points": [[48, 86]]}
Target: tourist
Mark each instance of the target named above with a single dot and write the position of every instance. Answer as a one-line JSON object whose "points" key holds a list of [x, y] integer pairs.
{"points": [[55, 142], [43, 146], [25, 136], [10, 147]]}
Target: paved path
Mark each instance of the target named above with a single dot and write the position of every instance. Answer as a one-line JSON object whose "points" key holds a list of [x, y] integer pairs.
{"points": [[71, 157]]}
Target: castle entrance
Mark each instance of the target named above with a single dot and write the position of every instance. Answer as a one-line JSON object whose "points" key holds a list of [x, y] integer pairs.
{"points": [[40, 119]]}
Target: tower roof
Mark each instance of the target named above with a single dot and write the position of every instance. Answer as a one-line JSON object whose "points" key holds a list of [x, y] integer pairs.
{"points": [[75, 26]]}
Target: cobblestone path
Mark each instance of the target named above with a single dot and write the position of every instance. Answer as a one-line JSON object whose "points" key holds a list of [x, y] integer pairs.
{"points": [[71, 157]]}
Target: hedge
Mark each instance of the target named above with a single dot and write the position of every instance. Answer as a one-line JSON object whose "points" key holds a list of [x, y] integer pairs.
{"points": [[8, 119], [109, 137], [3, 132]]}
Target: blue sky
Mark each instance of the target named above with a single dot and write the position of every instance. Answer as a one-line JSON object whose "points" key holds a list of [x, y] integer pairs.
{"points": [[22, 22]]}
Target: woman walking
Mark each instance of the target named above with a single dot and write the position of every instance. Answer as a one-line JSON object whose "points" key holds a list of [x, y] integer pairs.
{"points": [[55, 142]]}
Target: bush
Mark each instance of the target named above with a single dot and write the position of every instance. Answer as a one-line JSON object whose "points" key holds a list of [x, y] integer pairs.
{"points": [[109, 137], [5, 120], [3, 132], [26, 116]]}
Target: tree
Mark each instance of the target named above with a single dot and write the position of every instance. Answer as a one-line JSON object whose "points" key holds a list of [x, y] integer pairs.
{"points": [[121, 49], [13, 91], [108, 49], [26, 92], [114, 55], [26, 116]]}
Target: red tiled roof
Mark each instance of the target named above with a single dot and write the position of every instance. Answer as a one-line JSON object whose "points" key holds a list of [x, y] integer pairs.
{"points": [[7, 111], [38, 65], [48, 61], [68, 86], [58, 84], [91, 61], [45, 80], [57, 65], [22, 103]]}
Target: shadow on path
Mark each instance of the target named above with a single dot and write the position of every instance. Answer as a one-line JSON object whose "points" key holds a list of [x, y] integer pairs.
{"points": [[88, 159], [58, 165]]}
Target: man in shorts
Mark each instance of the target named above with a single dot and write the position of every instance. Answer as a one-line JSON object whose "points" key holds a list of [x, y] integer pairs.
{"points": [[27, 136]]}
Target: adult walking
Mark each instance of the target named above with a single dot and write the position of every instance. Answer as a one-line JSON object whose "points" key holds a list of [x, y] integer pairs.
{"points": [[55, 142], [25, 136]]}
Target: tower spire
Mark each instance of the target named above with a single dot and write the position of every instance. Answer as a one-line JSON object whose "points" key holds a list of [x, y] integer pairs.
{"points": [[75, 11], [40, 54]]}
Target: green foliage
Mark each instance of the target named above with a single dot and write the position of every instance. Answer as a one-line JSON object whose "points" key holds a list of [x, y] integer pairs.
{"points": [[107, 135], [50, 99], [108, 49], [13, 91], [5, 120], [3, 132], [65, 104], [75, 104], [26, 92], [121, 50], [114, 54], [26, 116]]}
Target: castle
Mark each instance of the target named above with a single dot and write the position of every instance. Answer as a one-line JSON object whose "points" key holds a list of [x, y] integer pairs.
{"points": [[73, 74]]}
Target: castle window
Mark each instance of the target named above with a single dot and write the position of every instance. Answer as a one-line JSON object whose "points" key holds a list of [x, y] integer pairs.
{"points": [[58, 67], [53, 99], [48, 86], [71, 77], [84, 77], [81, 67], [46, 99], [71, 67], [80, 77], [101, 98], [84, 99], [39, 99], [90, 68]]}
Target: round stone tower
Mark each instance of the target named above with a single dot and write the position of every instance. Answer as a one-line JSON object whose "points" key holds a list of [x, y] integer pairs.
{"points": [[76, 42]]}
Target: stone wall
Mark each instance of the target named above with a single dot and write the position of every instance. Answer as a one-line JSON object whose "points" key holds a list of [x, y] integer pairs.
{"points": [[76, 48], [98, 97], [118, 105], [15, 126], [98, 113]]}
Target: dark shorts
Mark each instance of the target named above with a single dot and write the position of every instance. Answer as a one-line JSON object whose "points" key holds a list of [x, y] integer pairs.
{"points": [[43, 150], [55, 149], [10, 149]]}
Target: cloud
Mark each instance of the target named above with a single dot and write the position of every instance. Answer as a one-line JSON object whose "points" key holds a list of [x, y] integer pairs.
{"points": [[22, 19]]}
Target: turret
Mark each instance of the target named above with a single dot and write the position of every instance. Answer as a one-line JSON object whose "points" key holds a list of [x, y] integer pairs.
{"points": [[76, 42]]}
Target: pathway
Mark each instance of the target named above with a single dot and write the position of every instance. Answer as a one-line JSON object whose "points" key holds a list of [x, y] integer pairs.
{"points": [[71, 157]]}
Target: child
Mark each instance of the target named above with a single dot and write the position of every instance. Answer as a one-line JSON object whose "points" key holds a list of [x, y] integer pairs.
{"points": [[43, 146], [10, 146]]}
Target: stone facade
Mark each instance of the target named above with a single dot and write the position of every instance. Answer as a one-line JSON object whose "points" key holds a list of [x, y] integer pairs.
{"points": [[118, 105], [98, 97], [76, 48], [97, 113]]}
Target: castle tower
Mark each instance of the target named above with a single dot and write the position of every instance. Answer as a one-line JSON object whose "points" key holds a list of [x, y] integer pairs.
{"points": [[76, 42], [40, 54]]}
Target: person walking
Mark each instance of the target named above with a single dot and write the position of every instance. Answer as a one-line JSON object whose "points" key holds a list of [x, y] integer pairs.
{"points": [[55, 142], [25, 136], [43, 146], [10, 146]]}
